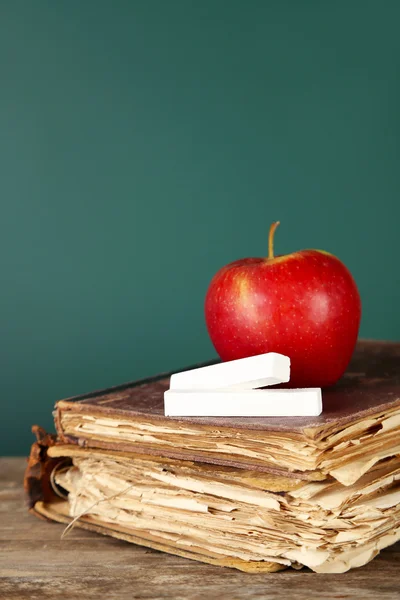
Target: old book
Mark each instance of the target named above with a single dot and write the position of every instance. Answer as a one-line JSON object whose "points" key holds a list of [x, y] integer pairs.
{"points": [[358, 427], [226, 516], [253, 494]]}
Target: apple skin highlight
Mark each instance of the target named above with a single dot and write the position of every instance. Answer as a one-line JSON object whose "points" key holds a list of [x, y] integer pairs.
{"points": [[305, 305]]}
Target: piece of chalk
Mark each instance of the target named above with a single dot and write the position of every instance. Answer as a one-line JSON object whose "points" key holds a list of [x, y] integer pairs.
{"points": [[245, 373], [305, 402]]}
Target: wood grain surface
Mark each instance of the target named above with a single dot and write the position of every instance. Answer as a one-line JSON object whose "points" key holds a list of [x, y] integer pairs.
{"points": [[36, 564]]}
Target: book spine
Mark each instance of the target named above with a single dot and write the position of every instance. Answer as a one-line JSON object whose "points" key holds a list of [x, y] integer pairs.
{"points": [[37, 476], [62, 437]]}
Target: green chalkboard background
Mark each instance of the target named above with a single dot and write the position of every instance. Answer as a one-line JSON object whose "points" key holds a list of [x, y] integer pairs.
{"points": [[144, 144]]}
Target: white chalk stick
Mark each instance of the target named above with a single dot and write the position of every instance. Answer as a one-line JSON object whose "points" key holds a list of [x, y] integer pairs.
{"points": [[245, 373], [305, 402]]}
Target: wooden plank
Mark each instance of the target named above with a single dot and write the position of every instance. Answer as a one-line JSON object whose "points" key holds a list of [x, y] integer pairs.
{"points": [[35, 563]]}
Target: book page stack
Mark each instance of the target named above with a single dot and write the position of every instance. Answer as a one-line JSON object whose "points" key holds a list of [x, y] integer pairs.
{"points": [[256, 493]]}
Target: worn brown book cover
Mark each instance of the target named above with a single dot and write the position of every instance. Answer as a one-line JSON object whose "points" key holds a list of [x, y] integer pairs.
{"points": [[357, 428]]}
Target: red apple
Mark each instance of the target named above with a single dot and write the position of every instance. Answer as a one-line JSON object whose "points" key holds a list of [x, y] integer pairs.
{"points": [[305, 305]]}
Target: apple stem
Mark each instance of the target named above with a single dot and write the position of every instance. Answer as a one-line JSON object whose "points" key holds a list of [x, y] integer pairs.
{"points": [[272, 230]]}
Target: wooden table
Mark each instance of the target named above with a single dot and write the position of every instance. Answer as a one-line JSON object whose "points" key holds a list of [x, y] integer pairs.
{"points": [[36, 564]]}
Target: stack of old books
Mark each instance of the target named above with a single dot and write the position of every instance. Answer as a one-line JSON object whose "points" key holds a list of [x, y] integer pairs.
{"points": [[257, 494]]}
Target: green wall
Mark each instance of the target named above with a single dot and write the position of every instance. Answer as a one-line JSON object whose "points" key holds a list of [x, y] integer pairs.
{"points": [[144, 144]]}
